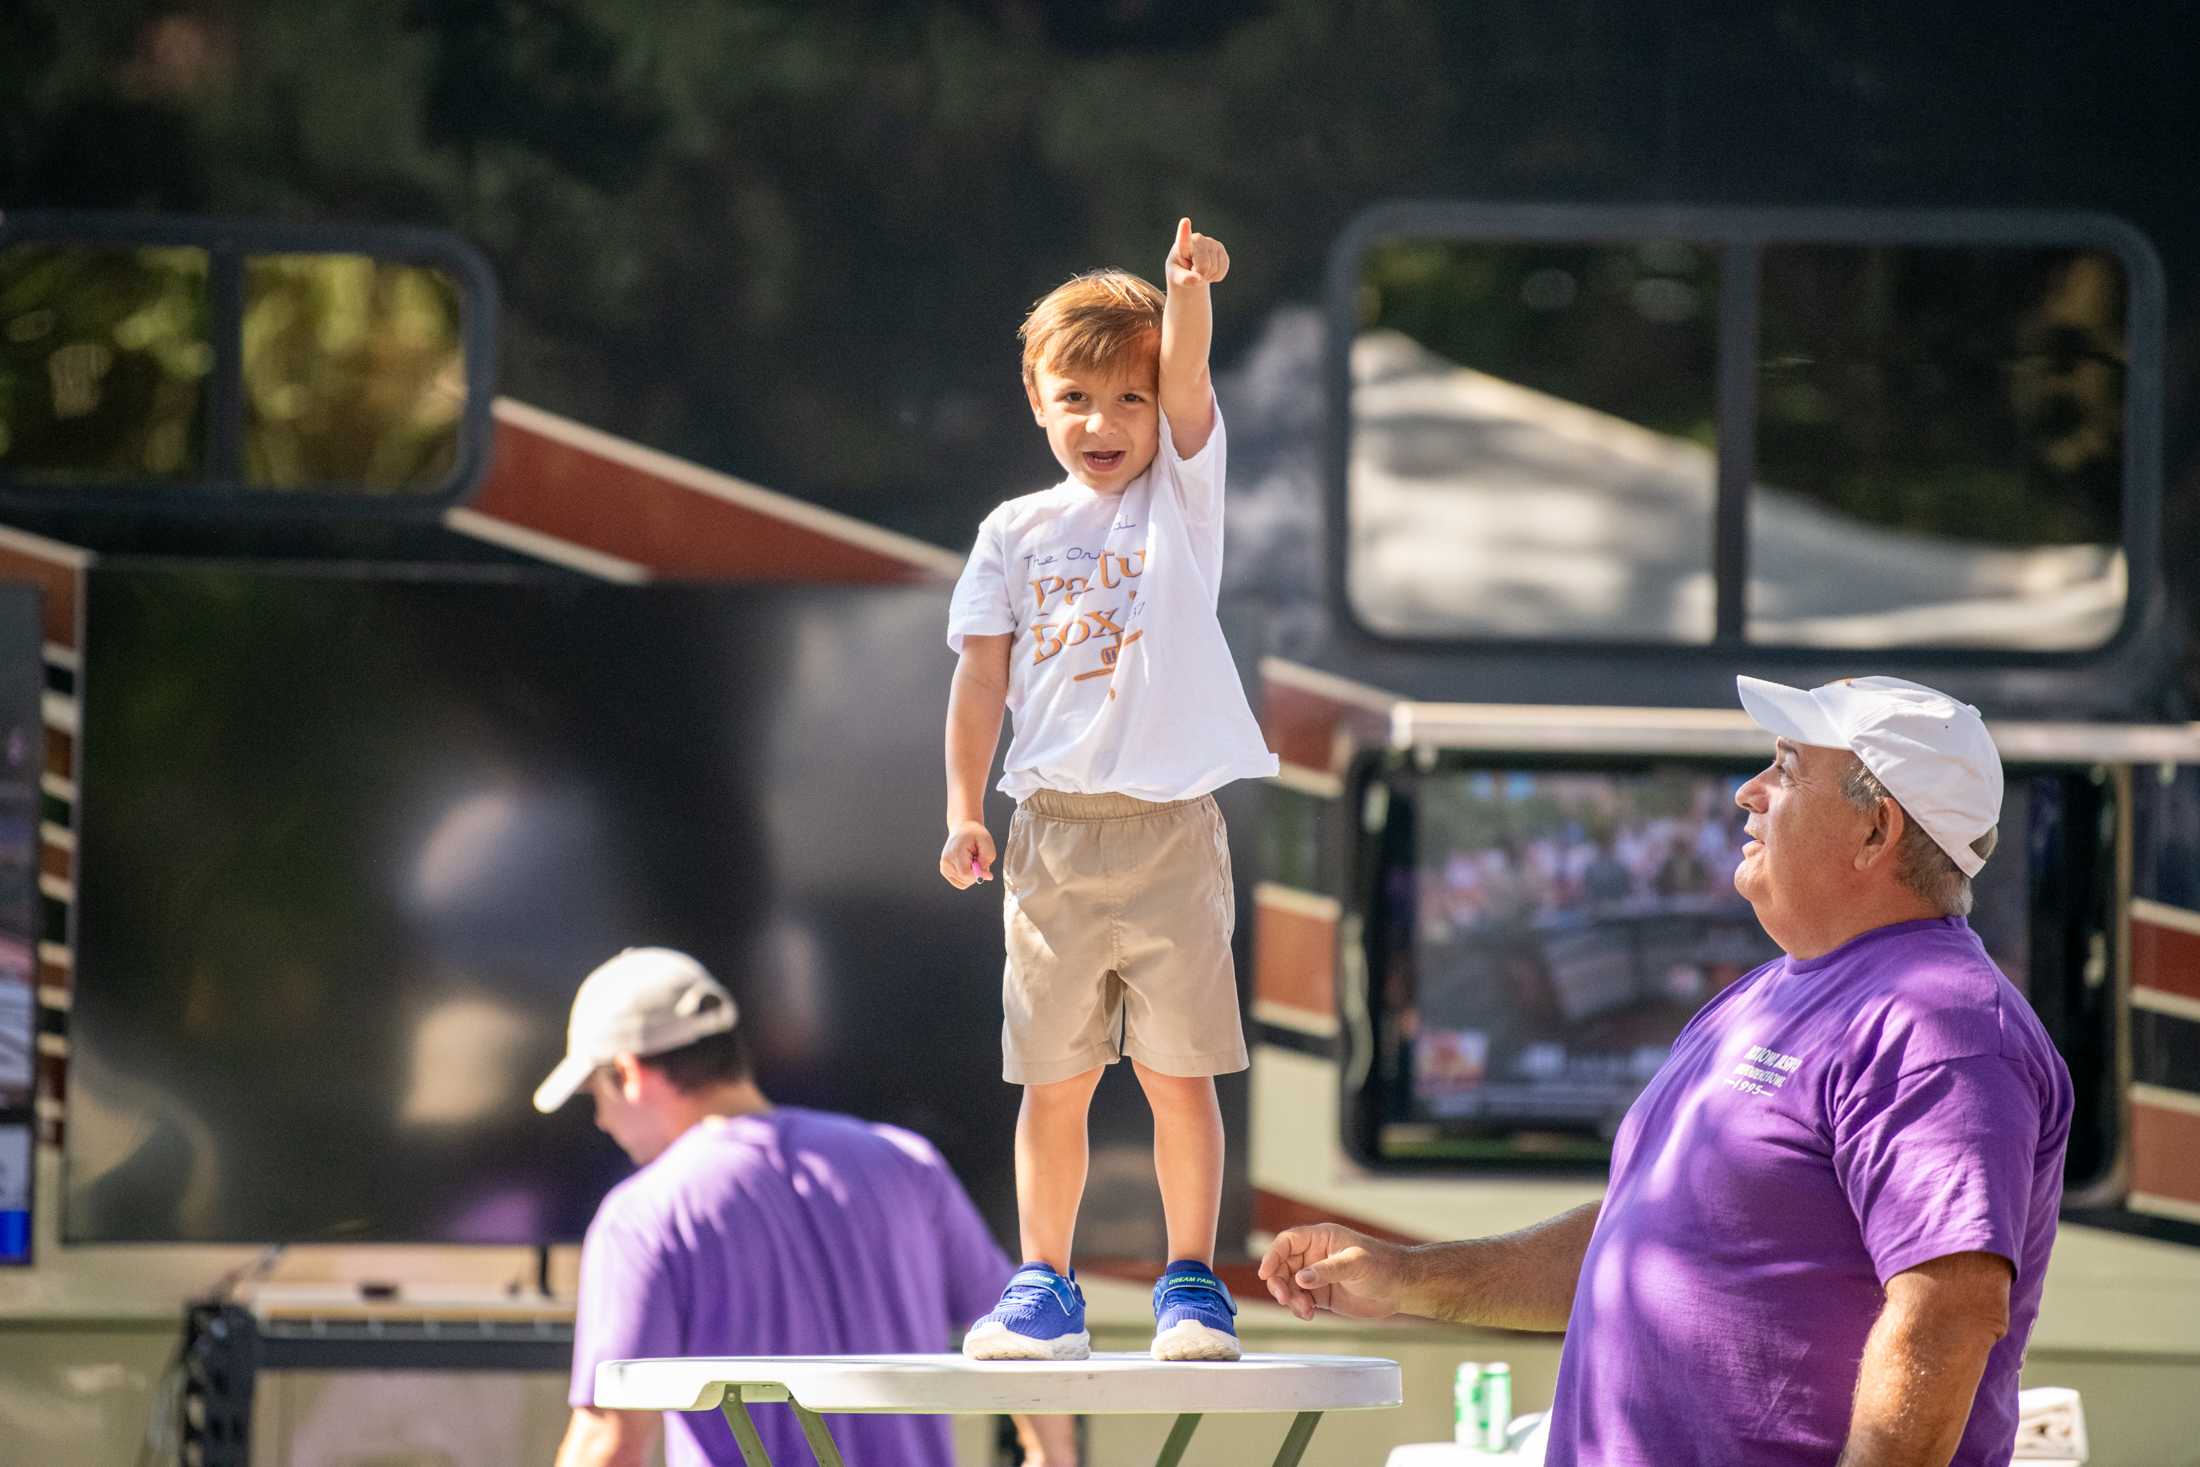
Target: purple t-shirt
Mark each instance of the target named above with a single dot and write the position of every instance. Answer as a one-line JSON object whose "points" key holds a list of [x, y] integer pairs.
{"points": [[792, 1232], [1821, 1126]]}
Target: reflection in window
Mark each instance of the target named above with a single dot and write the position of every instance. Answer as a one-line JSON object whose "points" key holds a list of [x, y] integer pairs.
{"points": [[103, 360], [354, 374], [1939, 448], [1533, 440]]}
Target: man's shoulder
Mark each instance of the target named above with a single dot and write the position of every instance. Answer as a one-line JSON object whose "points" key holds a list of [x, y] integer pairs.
{"points": [[634, 1209], [1938, 999], [705, 1156], [880, 1140]]}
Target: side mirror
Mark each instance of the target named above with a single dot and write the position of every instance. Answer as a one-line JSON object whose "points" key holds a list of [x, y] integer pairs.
{"points": [[203, 368]]}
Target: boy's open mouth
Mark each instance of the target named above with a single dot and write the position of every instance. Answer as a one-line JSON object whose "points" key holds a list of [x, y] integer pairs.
{"points": [[1103, 461]]}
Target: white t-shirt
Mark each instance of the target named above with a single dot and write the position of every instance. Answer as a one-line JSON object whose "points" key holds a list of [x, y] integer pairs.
{"points": [[1119, 679]]}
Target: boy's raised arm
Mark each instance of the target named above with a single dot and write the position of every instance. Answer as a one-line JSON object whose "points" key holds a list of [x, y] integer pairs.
{"points": [[1187, 327]]}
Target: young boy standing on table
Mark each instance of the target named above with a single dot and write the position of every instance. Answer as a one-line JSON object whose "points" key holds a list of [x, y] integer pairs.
{"points": [[1088, 611]]}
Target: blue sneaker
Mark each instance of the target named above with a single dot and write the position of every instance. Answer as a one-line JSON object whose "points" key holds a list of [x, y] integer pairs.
{"points": [[1193, 1315], [1041, 1316]]}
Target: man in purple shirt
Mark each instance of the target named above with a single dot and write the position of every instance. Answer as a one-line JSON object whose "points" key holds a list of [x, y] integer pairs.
{"points": [[752, 1229], [1829, 1214]]}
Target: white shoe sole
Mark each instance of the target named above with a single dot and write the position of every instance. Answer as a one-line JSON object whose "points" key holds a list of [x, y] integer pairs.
{"points": [[991, 1340], [1188, 1339]]}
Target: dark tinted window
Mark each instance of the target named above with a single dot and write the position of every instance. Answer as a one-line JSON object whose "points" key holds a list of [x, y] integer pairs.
{"points": [[103, 360]]}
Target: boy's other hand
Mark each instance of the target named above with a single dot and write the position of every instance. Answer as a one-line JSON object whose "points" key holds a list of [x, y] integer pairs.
{"points": [[1330, 1267], [1195, 259], [967, 858]]}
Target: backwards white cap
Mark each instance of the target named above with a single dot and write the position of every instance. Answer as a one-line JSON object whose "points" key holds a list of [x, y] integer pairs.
{"points": [[644, 1001], [1931, 751]]}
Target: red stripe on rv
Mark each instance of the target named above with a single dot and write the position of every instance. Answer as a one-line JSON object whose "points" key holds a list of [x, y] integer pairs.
{"points": [[1295, 960], [2165, 958], [57, 584], [1302, 726], [566, 491], [2165, 1152]]}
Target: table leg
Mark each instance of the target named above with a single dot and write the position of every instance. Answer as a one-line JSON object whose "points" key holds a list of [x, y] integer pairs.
{"points": [[744, 1429], [1295, 1440], [821, 1440], [1180, 1437]]}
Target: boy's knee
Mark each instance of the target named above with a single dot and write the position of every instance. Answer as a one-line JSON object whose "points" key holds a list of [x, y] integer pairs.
{"points": [[1192, 1089], [1076, 1090]]}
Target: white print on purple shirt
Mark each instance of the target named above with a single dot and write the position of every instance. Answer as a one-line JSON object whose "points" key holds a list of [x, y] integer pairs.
{"points": [[1761, 1069]]}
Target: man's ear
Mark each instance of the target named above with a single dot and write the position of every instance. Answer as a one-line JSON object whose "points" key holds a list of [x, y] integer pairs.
{"points": [[628, 1069], [1885, 832]]}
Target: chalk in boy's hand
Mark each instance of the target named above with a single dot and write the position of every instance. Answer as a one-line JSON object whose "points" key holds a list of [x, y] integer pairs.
{"points": [[1195, 259], [967, 858]]}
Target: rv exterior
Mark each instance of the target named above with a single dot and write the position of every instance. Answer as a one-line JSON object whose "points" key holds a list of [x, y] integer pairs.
{"points": [[1579, 360]]}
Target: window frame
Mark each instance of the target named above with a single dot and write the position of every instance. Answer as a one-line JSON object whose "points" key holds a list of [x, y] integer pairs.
{"points": [[222, 491], [1739, 236]]}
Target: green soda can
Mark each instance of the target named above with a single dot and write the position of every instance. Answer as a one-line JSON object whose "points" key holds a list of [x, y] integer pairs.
{"points": [[1497, 1402], [1469, 1406]]}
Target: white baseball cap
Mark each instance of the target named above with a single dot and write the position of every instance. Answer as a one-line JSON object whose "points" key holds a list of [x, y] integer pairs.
{"points": [[1931, 751], [644, 1001]]}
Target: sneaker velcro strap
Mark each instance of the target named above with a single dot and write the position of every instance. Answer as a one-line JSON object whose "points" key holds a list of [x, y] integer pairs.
{"points": [[1205, 1282], [1061, 1288]]}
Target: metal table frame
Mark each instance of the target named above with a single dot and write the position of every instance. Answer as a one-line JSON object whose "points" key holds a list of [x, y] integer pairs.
{"points": [[822, 1447]]}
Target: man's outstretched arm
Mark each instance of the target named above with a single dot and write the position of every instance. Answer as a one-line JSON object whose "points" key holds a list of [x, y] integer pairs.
{"points": [[1523, 1280]]}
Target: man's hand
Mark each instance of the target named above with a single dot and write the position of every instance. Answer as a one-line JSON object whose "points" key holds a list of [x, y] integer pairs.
{"points": [[967, 858], [1521, 1280], [1195, 259], [1330, 1267]]}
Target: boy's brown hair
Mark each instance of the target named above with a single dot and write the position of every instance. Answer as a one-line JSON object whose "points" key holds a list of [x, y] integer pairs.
{"points": [[1091, 321]]}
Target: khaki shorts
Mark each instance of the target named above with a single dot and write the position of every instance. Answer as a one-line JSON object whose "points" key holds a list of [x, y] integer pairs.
{"points": [[1118, 915]]}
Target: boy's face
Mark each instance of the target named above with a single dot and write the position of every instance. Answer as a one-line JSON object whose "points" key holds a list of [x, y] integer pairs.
{"points": [[1103, 423]]}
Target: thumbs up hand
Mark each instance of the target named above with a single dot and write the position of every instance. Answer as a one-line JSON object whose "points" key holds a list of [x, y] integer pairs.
{"points": [[1195, 259]]}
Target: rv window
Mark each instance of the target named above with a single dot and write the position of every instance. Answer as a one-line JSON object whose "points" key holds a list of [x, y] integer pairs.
{"points": [[104, 356], [1588, 430], [1939, 448], [202, 368], [354, 372], [1532, 446]]}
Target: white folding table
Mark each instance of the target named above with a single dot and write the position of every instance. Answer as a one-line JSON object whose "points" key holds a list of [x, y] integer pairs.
{"points": [[948, 1385]]}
